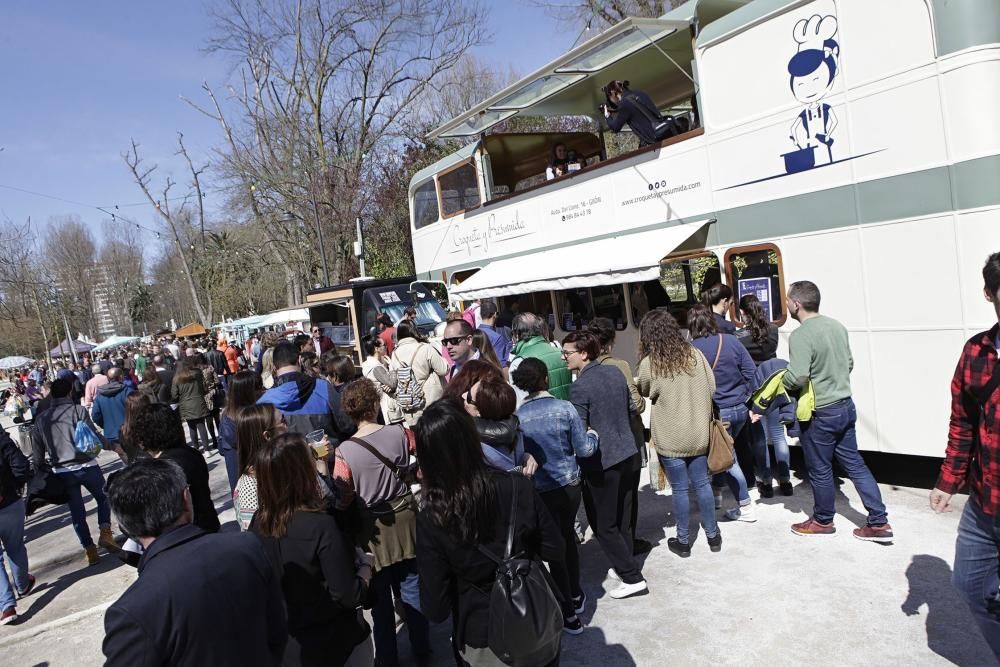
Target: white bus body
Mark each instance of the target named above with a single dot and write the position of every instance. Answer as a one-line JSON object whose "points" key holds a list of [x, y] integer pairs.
{"points": [[882, 187]]}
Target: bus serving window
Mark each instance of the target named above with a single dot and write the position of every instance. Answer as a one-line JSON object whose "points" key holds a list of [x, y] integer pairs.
{"points": [[682, 280], [757, 270], [609, 302], [579, 307], [539, 303], [575, 309], [425, 205], [459, 190]]}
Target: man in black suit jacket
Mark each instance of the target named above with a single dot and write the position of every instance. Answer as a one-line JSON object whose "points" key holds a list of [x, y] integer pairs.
{"points": [[201, 598]]}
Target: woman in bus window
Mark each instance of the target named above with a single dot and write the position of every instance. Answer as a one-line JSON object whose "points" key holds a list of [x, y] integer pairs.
{"points": [[558, 163], [760, 337], [734, 376], [633, 108]]}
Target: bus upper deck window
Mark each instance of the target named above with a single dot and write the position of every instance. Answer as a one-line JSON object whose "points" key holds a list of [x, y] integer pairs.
{"points": [[459, 190], [757, 270], [425, 205]]}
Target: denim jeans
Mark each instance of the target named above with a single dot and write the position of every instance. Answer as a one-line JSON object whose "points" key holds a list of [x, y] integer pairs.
{"points": [[770, 431], [92, 479], [736, 415], [830, 434], [384, 616], [684, 473], [12, 542], [977, 569]]}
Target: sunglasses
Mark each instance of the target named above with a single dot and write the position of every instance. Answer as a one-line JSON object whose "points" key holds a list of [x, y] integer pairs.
{"points": [[454, 340], [469, 399]]}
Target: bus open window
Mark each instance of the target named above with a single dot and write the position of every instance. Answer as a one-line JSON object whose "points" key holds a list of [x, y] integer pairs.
{"points": [[609, 302], [757, 270], [685, 278], [576, 310], [539, 303], [646, 296], [459, 190]]}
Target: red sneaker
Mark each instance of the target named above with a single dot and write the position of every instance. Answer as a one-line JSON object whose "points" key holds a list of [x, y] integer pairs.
{"points": [[881, 533], [813, 527], [9, 615]]}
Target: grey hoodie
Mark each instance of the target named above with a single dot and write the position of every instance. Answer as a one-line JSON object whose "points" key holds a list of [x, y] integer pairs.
{"points": [[52, 436]]}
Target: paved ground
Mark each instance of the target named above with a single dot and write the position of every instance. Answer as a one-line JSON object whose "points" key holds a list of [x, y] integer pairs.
{"points": [[770, 597]]}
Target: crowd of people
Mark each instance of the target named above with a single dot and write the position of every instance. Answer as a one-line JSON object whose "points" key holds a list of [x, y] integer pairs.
{"points": [[407, 490]]}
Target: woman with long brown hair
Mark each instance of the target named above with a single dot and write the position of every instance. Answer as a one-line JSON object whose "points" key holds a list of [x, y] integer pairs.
{"points": [[134, 404], [679, 383], [188, 392], [483, 345], [244, 390], [256, 426], [472, 372], [323, 587]]}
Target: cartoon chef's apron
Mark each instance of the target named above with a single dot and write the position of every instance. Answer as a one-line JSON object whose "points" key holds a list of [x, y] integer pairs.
{"points": [[815, 122]]}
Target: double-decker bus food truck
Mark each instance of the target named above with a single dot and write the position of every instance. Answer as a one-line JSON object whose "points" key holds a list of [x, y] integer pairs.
{"points": [[853, 143]]}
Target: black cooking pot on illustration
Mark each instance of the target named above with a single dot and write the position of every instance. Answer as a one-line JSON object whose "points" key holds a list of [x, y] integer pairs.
{"points": [[799, 160]]}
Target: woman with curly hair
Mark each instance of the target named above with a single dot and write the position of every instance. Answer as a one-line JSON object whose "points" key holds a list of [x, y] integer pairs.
{"points": [[679, 383]]}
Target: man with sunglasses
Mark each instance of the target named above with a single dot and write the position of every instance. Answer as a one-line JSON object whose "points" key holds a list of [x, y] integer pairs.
{"points": [[321, 343], [458, 341]]}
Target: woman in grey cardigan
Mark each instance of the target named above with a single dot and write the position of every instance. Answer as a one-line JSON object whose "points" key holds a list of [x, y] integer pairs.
{"points": [[600, 395], [679, 383]]}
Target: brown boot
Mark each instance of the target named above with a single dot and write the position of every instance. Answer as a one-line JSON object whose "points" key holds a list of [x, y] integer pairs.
{"points": [[91, 553], [107, 540]]}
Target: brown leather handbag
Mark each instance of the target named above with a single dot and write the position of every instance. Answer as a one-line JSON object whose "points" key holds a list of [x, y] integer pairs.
{"points": [[721, 455]]}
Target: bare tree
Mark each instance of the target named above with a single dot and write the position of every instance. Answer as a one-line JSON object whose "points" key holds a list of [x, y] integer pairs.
{"points": [[70, 255], [325, 87], [601, 14], [179, 218]]}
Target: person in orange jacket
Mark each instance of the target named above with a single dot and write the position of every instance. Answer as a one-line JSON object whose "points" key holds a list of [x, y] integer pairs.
{"points": [[232, 356]]}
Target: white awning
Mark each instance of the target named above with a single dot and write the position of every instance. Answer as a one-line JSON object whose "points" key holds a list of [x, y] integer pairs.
{"points": [[620, 259]]}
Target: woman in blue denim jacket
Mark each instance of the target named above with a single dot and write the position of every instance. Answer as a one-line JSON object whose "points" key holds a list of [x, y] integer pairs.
{"points": [[555, 436]]}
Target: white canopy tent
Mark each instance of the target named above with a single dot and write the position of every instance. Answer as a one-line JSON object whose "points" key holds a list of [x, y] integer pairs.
{"points": [[114, 341]]}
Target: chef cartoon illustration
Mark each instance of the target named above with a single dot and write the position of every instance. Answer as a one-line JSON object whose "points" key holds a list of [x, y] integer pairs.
{"points": [[813, 70]]}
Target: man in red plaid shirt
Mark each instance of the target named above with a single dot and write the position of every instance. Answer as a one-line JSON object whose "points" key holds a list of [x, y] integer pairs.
{"points": [[973, 457]]}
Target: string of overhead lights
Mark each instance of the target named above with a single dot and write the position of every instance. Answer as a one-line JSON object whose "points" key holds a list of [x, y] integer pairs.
{"points": [[115, 216]]}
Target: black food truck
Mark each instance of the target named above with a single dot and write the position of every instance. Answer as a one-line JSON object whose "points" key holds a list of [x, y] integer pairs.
{"points": [[347, 312]]}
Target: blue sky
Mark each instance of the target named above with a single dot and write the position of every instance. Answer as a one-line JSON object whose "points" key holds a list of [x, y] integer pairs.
{"points": [[81, 78]]}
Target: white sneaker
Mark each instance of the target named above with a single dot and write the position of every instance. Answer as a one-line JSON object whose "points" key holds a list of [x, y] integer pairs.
{"points": [[624, 590], [612, 575], [745, 513]]}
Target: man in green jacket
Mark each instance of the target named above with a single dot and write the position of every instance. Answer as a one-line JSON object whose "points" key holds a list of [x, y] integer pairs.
{"points": [[530, 342], [819, 351]]}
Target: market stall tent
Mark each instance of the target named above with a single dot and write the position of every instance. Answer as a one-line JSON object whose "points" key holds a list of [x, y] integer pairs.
{"points": [[189, 330]]}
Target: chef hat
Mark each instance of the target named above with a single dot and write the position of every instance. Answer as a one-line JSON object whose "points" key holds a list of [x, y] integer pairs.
{"points": [[814, 32]]}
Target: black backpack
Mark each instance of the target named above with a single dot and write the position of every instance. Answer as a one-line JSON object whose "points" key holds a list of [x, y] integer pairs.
{"points": [[526, 619]]}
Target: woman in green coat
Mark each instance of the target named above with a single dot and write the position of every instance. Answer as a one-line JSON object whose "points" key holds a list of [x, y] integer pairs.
{"points": [[188, 392]]}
